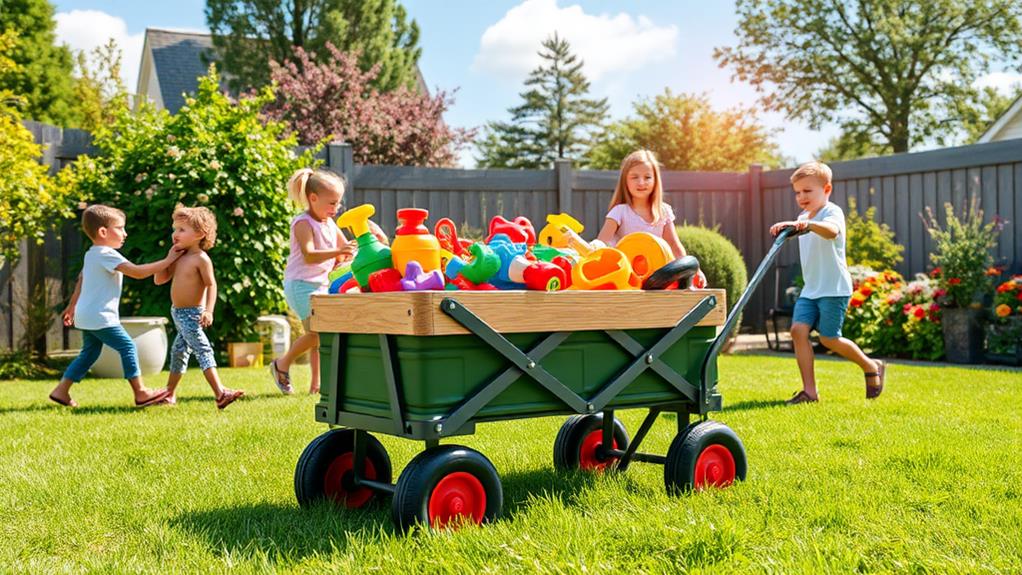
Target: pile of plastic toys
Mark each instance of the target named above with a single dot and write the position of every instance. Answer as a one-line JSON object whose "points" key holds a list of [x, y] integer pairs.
{"points": [[512, 257]]}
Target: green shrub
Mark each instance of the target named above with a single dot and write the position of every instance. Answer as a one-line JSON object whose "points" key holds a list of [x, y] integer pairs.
{"points": [[869, 243], [719, 259], [215, 153]]}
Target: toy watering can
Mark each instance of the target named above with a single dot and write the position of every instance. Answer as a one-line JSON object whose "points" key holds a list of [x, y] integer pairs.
{"points": [[604, 269]]}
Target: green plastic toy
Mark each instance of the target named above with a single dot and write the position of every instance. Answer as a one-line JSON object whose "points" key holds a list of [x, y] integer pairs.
{"points": [[372, 254]]}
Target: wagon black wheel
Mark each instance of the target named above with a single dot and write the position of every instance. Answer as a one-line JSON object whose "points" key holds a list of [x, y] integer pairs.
{"points": [[707, 454], [447, 486], [579, 443], [326, 469]]}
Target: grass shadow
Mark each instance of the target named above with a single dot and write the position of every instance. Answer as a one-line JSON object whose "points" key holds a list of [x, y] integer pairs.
{"points": [[753, 404], [285, 532]]}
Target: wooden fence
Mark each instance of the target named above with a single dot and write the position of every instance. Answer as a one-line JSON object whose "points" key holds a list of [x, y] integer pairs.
{"points": [[742, 204]]}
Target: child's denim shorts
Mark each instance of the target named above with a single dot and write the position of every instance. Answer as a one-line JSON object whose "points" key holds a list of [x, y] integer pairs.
{"points": [[826, 314], [298, 294]]}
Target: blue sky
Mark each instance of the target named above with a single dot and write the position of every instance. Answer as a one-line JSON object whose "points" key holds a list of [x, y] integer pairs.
{"points": [[485, 49]]}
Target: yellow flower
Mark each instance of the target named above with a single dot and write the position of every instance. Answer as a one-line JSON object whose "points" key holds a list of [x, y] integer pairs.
{"points": [[1003, 310]]}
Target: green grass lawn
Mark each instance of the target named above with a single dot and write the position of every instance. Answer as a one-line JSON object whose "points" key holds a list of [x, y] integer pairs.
{"points": [[925, 480]]}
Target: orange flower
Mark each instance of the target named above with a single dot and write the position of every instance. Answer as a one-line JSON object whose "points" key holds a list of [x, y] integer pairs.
{"points": [[1003, 310], [993, 271], [866, 290]]}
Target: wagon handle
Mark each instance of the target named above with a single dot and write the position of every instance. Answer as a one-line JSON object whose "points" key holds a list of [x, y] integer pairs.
{"points": [[732, 318]]}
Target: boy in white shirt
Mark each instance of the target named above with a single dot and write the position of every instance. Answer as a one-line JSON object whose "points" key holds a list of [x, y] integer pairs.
{"points": [[94, 303], [828, 285]]}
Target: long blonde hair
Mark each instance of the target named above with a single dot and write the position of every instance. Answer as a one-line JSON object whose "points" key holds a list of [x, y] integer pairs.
{"points": [[621, 195], [308, 181]]}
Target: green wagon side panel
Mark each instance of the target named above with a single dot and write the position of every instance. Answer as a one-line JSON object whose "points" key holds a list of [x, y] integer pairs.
{"points": [[437, 373]]}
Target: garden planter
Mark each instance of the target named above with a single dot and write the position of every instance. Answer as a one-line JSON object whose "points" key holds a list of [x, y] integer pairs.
{"points": [[1004, 343], [150, 337], [963, 334]]}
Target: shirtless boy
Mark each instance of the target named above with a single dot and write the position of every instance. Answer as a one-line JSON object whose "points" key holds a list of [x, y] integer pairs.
{"points": [[193, 295]]}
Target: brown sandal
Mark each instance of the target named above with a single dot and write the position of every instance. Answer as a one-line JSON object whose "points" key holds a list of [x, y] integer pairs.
{"points": [[874, 391], [801, 397]]}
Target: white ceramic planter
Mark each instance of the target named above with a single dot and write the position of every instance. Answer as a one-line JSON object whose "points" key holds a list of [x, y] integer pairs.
{"points": [[150, 337]]}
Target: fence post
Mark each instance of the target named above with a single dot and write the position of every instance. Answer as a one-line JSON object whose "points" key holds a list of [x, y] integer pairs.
{"points": [[755, 245], [562, 168], [340, 158]]}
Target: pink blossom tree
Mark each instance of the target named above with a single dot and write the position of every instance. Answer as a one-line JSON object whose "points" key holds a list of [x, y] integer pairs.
{"points": [[335, 100]]}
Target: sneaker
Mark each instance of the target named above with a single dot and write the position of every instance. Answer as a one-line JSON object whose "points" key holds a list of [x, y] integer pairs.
{"points": [[281, 379]]}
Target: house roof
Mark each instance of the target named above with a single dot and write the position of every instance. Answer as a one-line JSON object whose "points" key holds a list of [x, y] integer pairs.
{"points": [[1013, 111], [178, 62]]}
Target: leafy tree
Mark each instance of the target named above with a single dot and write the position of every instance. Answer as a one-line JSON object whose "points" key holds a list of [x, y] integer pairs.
{"points": [[992, 103], [895, 72], [29, 203], [214, 152], [686, 133], [335, 100], [851, 146], [43, 74], [99, 90], [871, 244], [248, 34], [555, 119]]}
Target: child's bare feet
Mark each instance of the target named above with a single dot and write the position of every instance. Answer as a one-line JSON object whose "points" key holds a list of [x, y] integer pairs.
{"points": [[227, 397]]}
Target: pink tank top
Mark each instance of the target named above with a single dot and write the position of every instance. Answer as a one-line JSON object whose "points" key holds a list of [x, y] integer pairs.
{"points": [[325, 236]]}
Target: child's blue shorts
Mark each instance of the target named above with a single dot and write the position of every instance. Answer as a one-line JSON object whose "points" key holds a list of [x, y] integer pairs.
{"points": [[826, 314]]}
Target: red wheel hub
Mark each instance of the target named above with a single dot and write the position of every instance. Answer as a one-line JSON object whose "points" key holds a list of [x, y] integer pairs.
{"points": [[587, 454], [337, 485], [458, 495], [715, 467]]}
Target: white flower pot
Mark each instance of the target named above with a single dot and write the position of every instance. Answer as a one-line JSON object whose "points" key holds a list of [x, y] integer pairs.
{"points": [[150, 337]]}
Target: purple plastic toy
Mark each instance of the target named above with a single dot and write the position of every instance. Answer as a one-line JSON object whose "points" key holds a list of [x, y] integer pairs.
{"points": [[417, 280]]}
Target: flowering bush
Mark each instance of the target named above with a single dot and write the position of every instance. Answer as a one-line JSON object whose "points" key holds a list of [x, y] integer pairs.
{"points": [[962, 253], [215, 153], [886, 316], [1005, 329], [335, 100]]}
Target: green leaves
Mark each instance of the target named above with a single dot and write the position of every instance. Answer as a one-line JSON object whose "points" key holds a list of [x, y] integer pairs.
{"points": [[869, 243], [217, 153]]}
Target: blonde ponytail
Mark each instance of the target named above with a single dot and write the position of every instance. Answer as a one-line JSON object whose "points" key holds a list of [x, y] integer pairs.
{"points": [[296, 187], [308, 181]]}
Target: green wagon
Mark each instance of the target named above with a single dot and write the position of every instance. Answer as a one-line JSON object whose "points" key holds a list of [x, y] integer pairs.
{"points": [[430, 366]]}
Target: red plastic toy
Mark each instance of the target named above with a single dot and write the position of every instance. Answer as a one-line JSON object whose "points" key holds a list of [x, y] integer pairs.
{"points": [[520, 230], [544, 276], [464, 284], [385, 280]]}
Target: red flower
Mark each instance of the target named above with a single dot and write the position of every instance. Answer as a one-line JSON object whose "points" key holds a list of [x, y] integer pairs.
{"points": [[905, 308], [934, 307], [954, 281], [1006, 286], [856, 302], [939, 292], [1019, 296], [935, 272], [866, 290], [919, 312]]}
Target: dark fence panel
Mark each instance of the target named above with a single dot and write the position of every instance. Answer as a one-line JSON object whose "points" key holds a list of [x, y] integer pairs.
{"points": [[741, 205]]}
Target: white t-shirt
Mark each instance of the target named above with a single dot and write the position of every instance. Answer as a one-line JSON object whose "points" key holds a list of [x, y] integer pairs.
{"points": [[628, 221], [101, 289], [824, 267]]}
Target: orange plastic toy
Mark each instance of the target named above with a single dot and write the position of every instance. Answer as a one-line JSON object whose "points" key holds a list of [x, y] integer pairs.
{"points": [[604, 269], [412, 241], [646, 253]]}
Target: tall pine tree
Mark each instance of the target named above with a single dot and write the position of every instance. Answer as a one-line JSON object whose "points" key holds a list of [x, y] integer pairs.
{"points": [[43, 70], [554, 120], [248, 34]]}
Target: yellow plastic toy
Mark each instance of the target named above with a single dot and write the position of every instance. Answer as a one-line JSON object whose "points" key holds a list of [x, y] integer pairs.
{"points": [[372, 255], [412, 241], [604, 269], [562, 231], [646, 253]]}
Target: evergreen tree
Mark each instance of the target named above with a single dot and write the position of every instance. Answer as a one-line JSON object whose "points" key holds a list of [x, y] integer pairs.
{"points": [[43, 71], [555, 119], [248, 34]]}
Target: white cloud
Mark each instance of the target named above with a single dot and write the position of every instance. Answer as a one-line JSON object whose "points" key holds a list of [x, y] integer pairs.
{"points": [[607, 43], [1005, 82], [87, 29]]}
